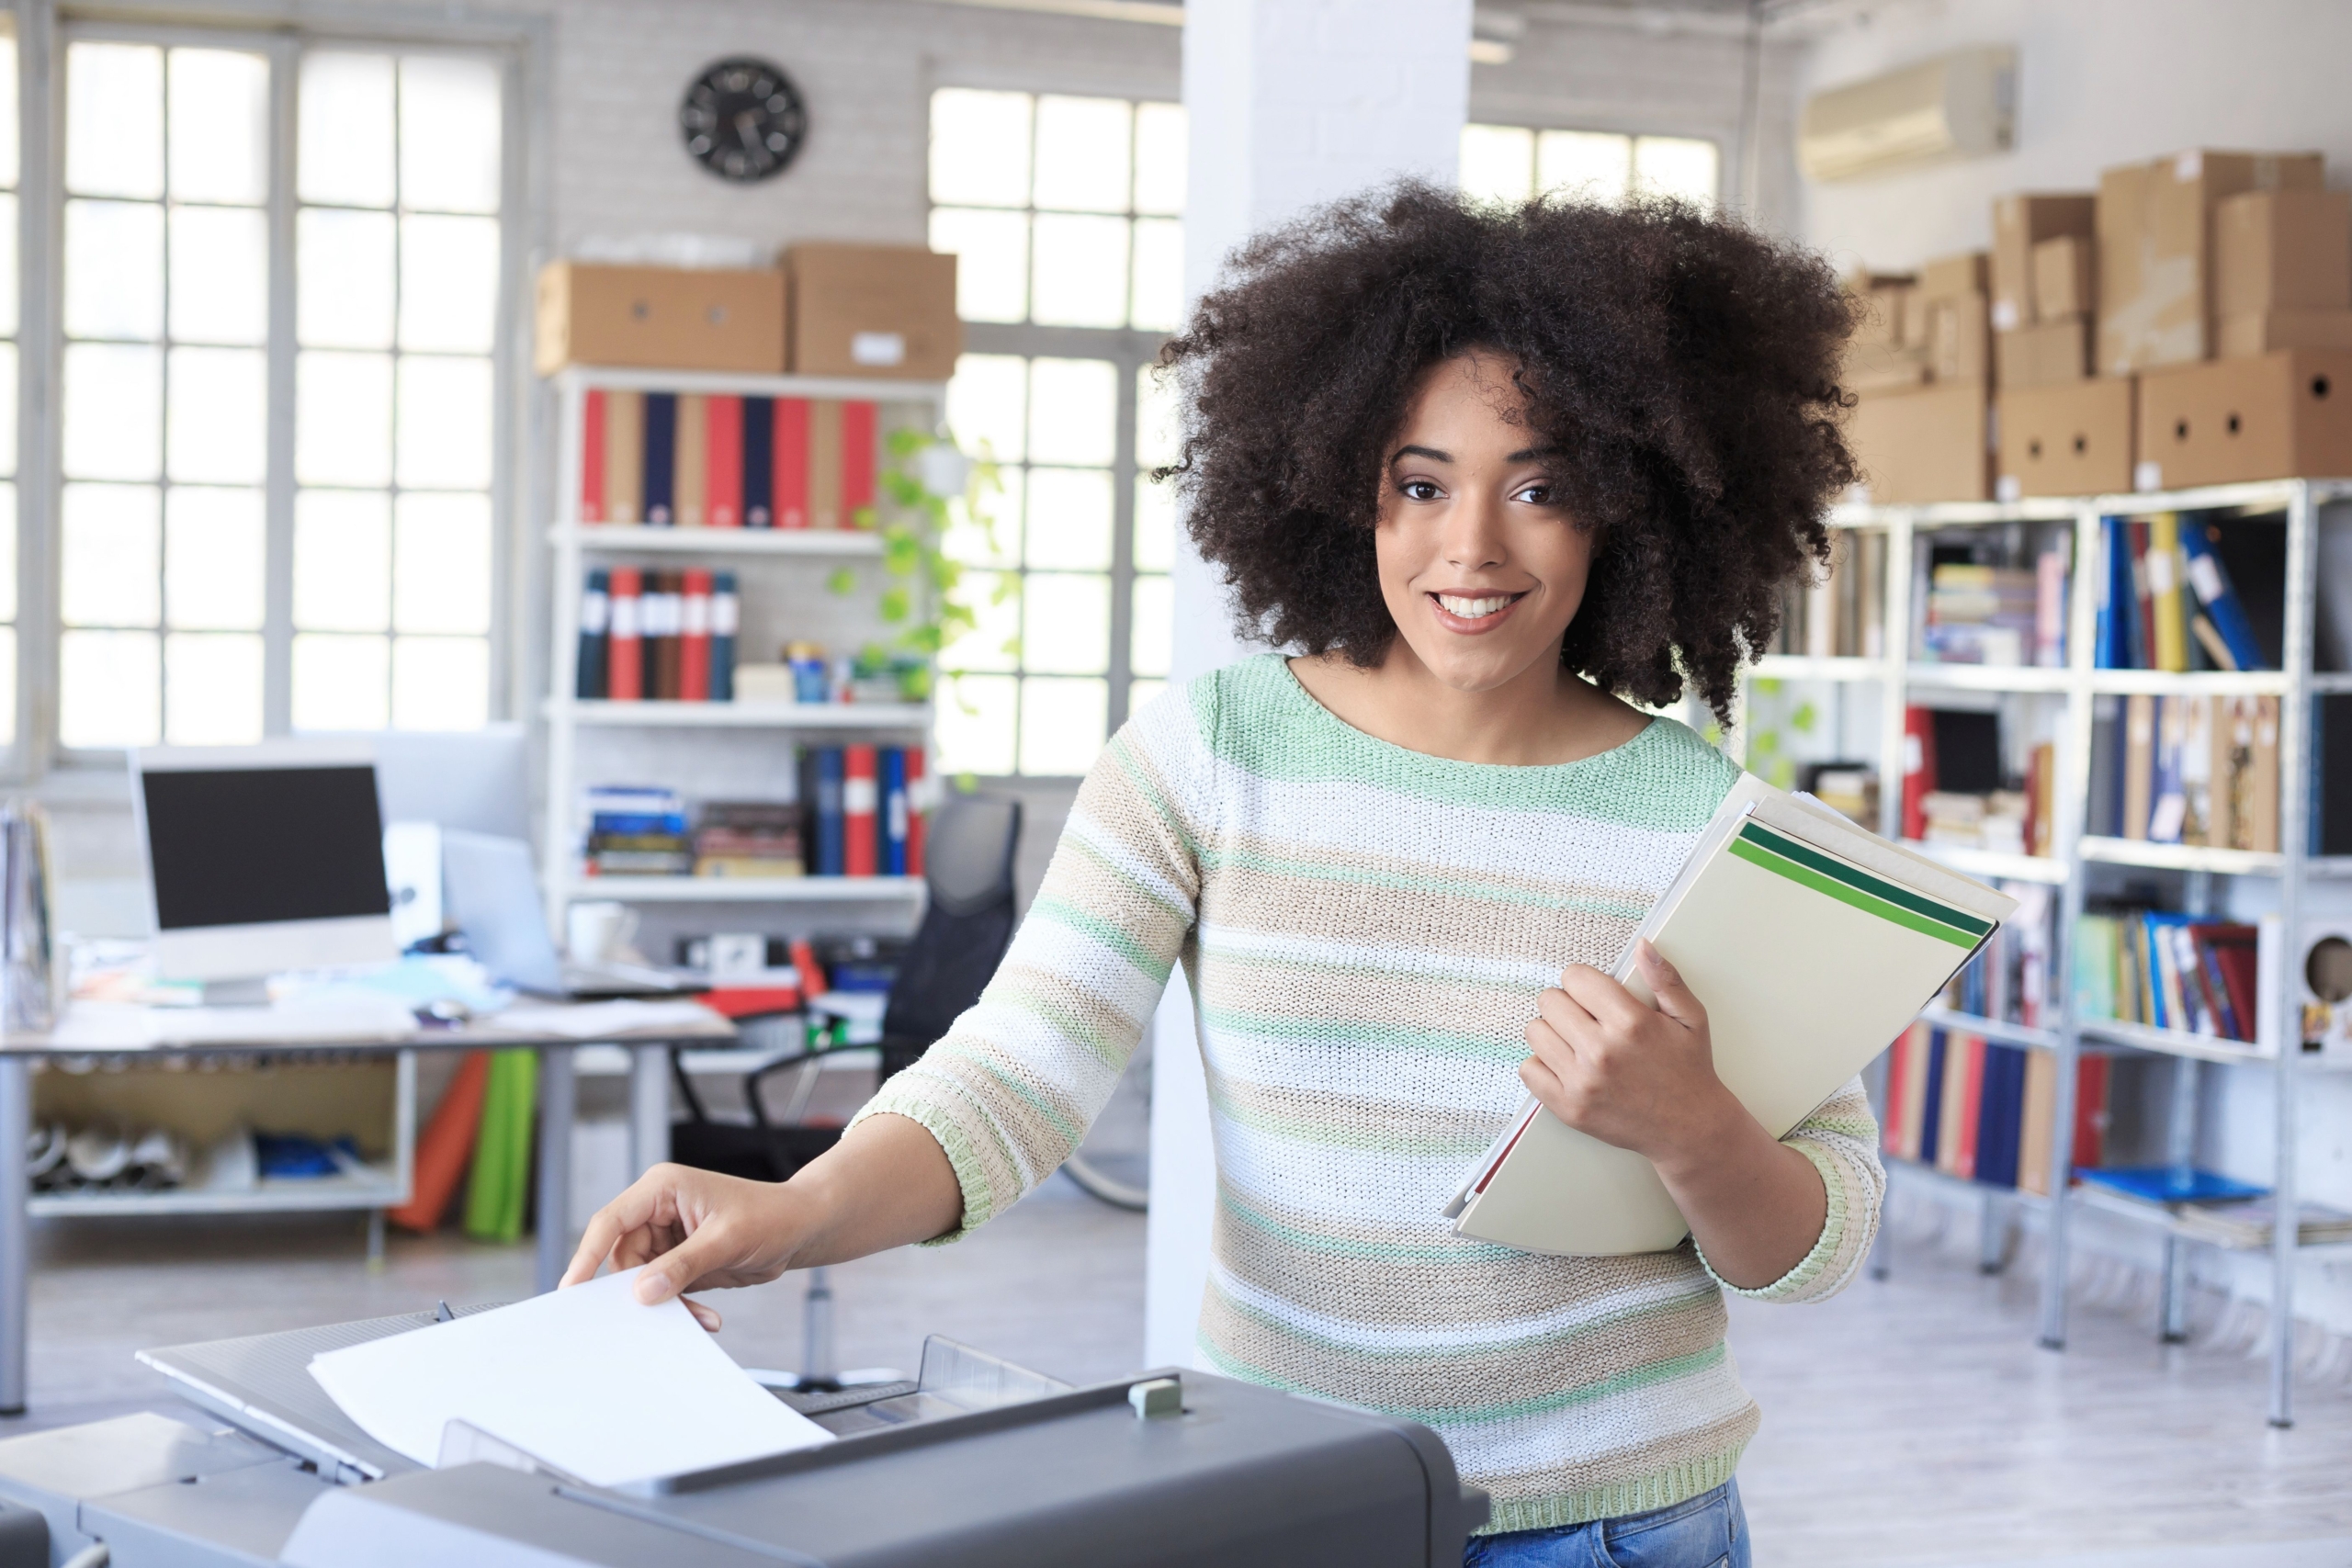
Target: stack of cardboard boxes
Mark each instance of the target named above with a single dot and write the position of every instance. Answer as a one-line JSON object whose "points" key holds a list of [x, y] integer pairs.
{"points": [[1921, 362], [2189, 324]]}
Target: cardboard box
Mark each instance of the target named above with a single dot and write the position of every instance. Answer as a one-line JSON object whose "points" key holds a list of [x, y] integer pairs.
{"points": [[658, 318], [2020, 221], [2155, 250], [1922, 445], [2261, 332], [2282, 250], [2278, 416], [873, 311], [2070, 440], [1950, 277], [1959, 338], [2055, 354], [2063, 286]]}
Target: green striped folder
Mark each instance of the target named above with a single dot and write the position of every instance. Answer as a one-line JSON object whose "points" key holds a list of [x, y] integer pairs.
{"points": [[1811, 943]]}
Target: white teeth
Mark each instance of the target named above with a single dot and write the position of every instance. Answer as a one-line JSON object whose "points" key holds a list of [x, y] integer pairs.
{"points": [[1471, 609]]}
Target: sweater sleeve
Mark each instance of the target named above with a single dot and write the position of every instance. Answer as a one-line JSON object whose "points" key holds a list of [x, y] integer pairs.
{"points": [[1841, 1139], [1012, 1088]]}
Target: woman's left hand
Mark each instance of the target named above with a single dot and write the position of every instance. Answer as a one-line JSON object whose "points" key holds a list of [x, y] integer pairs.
{"points": [[1640, 1078]]}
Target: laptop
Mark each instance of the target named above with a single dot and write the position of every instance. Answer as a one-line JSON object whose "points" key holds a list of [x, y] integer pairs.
{"points": [[489, 893]]}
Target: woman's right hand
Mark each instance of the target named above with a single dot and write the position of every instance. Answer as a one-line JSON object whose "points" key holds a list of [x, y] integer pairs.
{"points": [[695, 1230]]}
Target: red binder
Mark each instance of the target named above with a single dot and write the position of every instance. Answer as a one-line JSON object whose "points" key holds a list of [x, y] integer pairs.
{"points": [[592, 460], [1919, 769], [723, 482], [914, 811], [791, 463], [694, 638], [625, 667], [858, 461], [861, 822]]}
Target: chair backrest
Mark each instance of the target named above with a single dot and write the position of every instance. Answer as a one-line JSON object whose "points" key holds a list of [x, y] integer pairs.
{"points": [[967, 923]]}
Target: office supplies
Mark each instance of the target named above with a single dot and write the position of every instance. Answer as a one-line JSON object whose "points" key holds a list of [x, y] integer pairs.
{"points": [[2209, 580], [595, 626], [591, 458], [860, 803], [693, 460], [493, 896], [724, 493], [694, 636], [624, 456], [262, 858], [726, 616], [1811, 943], [759, 462], [661, 457], [624, 654], [790, 463]]}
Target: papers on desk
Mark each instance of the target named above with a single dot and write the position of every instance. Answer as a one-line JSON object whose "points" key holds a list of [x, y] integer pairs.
{"points": [[586, 1380], [601, 1020]]}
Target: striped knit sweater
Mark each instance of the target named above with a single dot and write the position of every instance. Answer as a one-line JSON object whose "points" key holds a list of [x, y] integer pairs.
{"points": [[1365, 930]]}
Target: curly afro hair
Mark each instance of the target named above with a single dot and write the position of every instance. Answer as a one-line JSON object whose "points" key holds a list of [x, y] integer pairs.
{"points": [[1685, 366]]}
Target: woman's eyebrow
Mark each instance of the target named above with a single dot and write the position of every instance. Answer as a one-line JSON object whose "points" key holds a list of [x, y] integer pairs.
{"points": [[1429, 452], [1531, 454]]}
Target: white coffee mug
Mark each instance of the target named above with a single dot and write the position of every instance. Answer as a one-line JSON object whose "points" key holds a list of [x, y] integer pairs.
{"points": [[596, 931]]}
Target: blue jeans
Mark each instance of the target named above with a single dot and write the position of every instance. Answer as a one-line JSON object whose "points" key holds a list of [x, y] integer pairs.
{"points": [[1706, 1531]]}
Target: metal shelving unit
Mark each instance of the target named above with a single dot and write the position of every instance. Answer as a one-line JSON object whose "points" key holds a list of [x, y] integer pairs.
{"points": [[1901, 680], [571, 542]]}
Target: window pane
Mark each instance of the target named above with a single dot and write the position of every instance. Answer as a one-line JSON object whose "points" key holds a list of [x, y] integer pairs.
{"points": [[1155, 526], [987, 406], [1159, 159], [1678, 167], [1155, 627], [114, 412], [1073, 411], [7, 234], [450, 284], [1587, 164], [211, 689], [1062, 725], [341, 682], [7, 408], [342, 419], [994, 640], [1069, 518], [114, 270], [1080, 271], [7, 684], [991, 251], [973, 723], [343, 560], [992, 534], [109, 573], [343, 278], [979, 147], [450, 134], [7, 559], [220, 276], [1156, 424], [1066, 623], [219, 148], [109, 689], [8, 158], [344, 143], [213, 568], [444, 430], [1159, 303], [1142, 694], [440, 682], [218, 424], [440, 567], [1498, 162], [114, 119], [1083, 152]]}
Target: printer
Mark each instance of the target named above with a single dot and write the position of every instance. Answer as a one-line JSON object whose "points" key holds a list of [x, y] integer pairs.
{"points": [[974, 1462]]}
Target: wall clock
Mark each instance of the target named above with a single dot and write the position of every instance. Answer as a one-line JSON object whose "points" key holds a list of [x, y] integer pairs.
{"points": [[743, 119]]}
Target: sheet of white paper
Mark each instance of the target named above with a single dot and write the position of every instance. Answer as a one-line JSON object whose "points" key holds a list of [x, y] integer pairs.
{"points": [[586, 1378], [597, 1021]]}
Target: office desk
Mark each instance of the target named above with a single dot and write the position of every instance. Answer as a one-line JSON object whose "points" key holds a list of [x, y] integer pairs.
{"points": [[115, 1031]]}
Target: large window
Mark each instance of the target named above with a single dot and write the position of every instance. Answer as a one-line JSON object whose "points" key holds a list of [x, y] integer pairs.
{"points": [[1512, 162], [274, 436], [1064, 215]]}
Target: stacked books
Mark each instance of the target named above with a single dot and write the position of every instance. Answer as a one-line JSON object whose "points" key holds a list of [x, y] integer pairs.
{"points": [[1993, 614], [749, 838], [635, 830], [689, 461], [865, 816], [668, 636], [1954, 791], [2193, 770], [1983, 1111], [2167, 602], [2247, 1223], [2169, 971], [1842, 615]]}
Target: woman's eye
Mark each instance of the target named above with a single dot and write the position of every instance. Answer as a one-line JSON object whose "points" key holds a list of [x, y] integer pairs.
{"points": [[1537, 495], [1418, 490]]}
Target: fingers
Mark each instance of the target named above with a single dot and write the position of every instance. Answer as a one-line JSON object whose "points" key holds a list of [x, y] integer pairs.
{"points": [[1674, 997], [1602, 995], [709, 1317], [673, 1273], [631, 1212]]}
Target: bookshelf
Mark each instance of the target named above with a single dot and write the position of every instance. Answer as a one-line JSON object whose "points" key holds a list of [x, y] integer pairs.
{"points": [[692, 746], [1902, 679]]}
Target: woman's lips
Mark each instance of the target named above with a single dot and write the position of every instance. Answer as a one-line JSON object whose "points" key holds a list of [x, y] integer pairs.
{"points": [[1473, 612]]}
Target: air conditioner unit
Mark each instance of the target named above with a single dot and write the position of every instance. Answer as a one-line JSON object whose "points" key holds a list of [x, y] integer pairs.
{"points": [[1962, 105]]}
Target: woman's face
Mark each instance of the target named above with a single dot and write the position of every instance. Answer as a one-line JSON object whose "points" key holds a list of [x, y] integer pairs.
{"points": [[1480, 563]]}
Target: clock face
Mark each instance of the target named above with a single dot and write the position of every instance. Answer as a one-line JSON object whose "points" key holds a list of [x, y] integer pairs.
{"points": [[743, 119]]}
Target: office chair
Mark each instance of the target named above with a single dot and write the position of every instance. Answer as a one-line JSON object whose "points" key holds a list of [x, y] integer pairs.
{"points": [[969, 916]]}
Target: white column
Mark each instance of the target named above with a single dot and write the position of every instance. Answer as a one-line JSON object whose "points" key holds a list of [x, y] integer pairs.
{"points": [[1290, 104]]}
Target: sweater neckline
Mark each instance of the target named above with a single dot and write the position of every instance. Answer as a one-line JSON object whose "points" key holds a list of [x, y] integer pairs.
{"points": [[1294, 690]]}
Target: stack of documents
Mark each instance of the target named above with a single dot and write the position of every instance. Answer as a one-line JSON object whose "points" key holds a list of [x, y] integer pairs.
{"points": [[1811, 943]]}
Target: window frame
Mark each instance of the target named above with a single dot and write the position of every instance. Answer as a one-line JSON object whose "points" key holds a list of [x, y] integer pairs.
{"points": [[1632, 139], [517, 48]]}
